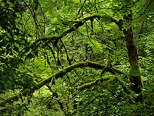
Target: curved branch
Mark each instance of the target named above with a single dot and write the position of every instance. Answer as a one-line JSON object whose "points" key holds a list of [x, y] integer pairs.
{"points": [[93, 83], [76, 24], [56, 76], [54, 39]]}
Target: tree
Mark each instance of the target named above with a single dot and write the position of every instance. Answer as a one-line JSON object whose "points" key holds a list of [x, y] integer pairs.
{"points": [[62, 36]]}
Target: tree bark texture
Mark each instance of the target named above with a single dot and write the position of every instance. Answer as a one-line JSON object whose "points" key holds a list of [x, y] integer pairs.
{"points": [[134, 73]]}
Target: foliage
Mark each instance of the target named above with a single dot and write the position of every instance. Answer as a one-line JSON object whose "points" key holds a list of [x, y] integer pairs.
{"points": [[12, 39], [70, 57]]}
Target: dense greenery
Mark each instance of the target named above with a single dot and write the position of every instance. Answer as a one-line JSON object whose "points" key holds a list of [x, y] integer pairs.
{"points": [[76, 57]]}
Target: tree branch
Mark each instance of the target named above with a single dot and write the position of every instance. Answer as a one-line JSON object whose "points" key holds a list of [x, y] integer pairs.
{"points": [[76, 24], [56, 76], [54, 39], [93, 83]]}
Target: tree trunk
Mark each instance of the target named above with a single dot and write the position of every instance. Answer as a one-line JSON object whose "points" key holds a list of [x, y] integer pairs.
{"points": [[134, 74]]}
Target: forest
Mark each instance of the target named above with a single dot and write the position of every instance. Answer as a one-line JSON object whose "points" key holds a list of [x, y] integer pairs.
{"points": [[76, 57]]}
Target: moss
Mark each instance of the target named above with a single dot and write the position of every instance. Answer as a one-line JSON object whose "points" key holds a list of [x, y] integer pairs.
{"points": [[58, 75], [93, 83]]}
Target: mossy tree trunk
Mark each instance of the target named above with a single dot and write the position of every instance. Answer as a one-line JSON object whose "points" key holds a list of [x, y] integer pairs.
{"points": [[134, 73]]}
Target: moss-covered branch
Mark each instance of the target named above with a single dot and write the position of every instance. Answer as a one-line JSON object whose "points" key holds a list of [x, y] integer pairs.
{"points": [[76, 24], [93, 83], [56, 76], [106, 78]]}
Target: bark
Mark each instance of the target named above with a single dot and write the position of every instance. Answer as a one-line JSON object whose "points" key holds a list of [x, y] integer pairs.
{"points": [[134, 73]]}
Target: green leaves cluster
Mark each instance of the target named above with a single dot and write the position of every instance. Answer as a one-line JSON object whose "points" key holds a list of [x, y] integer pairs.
{"points": [[39, 45]]}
